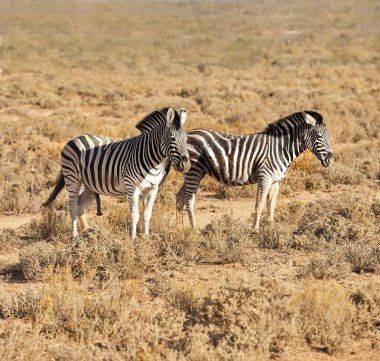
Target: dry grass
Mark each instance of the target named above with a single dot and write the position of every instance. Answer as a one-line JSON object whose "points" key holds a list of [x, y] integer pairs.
{"points": [[225, 292]]}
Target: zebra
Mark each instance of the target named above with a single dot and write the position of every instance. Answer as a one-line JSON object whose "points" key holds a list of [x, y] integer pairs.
{"points": [[136, 166], [262, 158]]}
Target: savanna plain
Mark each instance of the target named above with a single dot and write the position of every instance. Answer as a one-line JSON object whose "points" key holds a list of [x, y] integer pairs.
{"points": [[306, 288]]}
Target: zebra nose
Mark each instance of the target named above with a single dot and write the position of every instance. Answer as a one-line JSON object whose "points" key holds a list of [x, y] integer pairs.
{"points": [[185, 159], [329, 156]]}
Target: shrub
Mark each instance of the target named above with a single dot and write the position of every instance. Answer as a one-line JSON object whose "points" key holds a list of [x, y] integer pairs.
{"points": [[39, 260], [324, 315]]}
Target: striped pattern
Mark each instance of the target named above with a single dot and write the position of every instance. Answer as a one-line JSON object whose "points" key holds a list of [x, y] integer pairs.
{"points": [[134, 166], [262, 158]]}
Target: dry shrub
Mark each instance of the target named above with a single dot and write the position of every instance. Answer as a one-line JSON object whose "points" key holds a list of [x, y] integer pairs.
{"points": [[273, 236], [20, 342], [39, 260], [324, 315], [182, 299], [99, 257], [248, 191], [244, 319], [348, 218], [21, 303], [102, 257], [367, 315], [338, 261], [223, 240], [120, 320], [332, 264], [168, 248], [54, 226], [9, 239], [363, 258], [342, 174]]}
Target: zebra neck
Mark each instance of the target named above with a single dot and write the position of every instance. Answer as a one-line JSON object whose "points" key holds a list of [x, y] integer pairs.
{"points": [[293, 145], [154, 153]]}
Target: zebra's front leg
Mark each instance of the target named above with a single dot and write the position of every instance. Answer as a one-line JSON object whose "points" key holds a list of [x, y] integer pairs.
{"points": [[133, 197], [193, 179], [272, 199], [148, 206], [261, 196]]}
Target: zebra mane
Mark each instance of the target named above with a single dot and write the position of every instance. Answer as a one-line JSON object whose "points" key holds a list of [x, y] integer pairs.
{"points": [[155, 119], [283, 125]]}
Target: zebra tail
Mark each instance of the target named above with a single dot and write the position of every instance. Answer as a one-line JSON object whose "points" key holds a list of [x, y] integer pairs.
{"points": [[59, 184]]}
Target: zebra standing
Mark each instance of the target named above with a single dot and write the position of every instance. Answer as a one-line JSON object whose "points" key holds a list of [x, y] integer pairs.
{"points": [[261, 158], [135, 166]]}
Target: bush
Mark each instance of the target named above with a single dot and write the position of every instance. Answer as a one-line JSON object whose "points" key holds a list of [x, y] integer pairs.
{"points": [[324, 315]]}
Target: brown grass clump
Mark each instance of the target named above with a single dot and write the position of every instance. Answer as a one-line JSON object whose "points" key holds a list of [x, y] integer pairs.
{"points": [[349, 218], [9, 239], [100, 258], [244, 317], [331, 264], [20, 304], [103, 257], [324, 315], [39, 260], [223, 240], [54, 226]]}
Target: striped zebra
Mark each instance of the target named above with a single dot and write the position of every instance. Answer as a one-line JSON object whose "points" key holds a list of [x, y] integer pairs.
{"points": [[261, 158], [136, 166]]}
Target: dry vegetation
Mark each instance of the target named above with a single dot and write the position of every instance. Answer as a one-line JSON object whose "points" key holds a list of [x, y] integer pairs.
{"points": [[309, 284]]}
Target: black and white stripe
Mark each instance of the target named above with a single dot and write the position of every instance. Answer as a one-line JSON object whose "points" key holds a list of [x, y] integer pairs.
{"points": [[135, 166], [261, 158]]}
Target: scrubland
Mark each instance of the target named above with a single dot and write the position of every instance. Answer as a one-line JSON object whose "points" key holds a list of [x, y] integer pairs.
{"points": [[306, 288]]}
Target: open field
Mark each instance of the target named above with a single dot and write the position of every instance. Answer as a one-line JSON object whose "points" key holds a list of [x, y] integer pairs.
{"points": [[307, 288]]}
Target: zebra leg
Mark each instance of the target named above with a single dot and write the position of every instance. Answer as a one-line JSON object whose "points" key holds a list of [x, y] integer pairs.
{"points": [[148, 206], [73, 191], [261, 196], [85, 199], [180, 197], [133, 197], [193, 179], [272, 198]]}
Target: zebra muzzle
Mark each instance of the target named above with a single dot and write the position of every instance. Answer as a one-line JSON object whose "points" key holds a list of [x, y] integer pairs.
{"points": [[183, 166], [328, 160]]}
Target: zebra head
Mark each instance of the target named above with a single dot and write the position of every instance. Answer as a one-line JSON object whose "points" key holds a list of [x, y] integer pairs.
{"points": [[317, 137], [175, 140]]}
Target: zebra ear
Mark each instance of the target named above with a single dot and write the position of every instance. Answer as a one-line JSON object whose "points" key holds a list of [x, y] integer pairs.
{"points": [[309, 119], [170, 117], [183, 116]]}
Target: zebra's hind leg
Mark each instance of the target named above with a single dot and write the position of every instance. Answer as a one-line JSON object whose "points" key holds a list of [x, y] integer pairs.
{"points": [[85, 199], [73, 191], [272, 199], [133, 197], [149, 199], [263, 186]]}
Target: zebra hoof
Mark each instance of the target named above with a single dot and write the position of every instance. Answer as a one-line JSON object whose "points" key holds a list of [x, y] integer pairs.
{"points": [[75, 242], [89, 233]]}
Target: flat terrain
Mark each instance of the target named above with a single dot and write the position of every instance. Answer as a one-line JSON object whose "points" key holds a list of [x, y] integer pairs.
{"points": [[307, 288]]}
